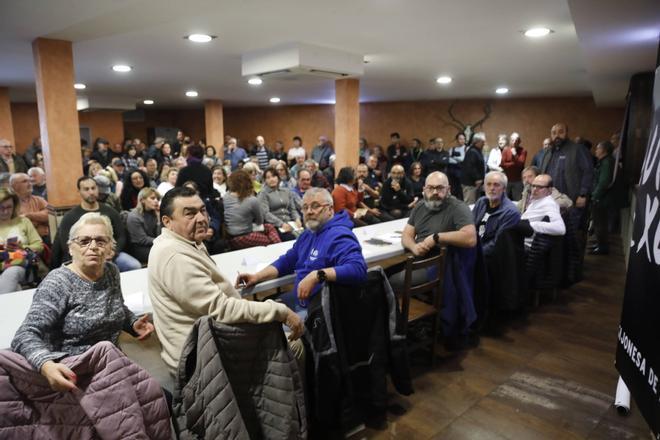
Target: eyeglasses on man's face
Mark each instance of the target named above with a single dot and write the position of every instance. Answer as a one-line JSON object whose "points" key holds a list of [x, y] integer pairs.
{"points": [[534, 186], [85, 241], [435, 188], [314, 207]]}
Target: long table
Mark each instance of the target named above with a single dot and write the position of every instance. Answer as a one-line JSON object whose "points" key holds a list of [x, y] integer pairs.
{"points": [[135, 284]]}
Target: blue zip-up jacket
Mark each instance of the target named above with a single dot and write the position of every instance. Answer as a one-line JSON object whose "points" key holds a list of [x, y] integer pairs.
{"points": [[334, 245]]}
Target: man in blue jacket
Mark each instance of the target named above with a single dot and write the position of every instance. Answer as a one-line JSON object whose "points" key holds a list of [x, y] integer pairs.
{"points": [[327, 251]]}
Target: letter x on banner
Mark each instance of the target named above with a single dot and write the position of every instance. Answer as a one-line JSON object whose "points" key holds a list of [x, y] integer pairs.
{"points": [[638, 347]]}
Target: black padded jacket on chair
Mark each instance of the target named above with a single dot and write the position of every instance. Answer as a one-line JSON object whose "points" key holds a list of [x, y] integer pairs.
{"points": [[352, 344]]}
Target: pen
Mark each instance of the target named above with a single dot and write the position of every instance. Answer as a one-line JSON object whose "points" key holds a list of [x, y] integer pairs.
{"points": [[241, 282]]}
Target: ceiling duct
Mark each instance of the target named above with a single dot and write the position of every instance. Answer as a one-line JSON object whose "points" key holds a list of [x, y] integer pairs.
{"points": [[295, 61], [90, 103]]}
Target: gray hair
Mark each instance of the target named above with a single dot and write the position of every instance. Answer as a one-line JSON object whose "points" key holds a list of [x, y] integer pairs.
{"points": [[309, 162], [479, 136], [500, 175], [15, 176], [533, 169], [5, 143], [327, 197], [36, 170], [92, 218]]}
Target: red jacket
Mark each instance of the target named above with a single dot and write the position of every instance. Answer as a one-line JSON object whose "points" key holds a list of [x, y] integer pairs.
{"points": [[513, 165], [345, 199]]}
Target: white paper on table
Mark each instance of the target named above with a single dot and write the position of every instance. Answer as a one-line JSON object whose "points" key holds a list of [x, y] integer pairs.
{"points": [[251, 260], [134, 301]]}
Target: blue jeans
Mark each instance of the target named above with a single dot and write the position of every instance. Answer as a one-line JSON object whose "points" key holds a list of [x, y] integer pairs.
{"points": [[125, 262], [290, 299]]}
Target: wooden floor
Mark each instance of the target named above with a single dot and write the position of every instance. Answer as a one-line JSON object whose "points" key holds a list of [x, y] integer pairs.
{"points": [[550, 376]]}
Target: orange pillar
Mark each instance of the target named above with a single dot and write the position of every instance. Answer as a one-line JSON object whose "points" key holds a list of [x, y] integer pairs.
{"points": [[58, 120], [347, 122], [215, 131], [6, 123]]}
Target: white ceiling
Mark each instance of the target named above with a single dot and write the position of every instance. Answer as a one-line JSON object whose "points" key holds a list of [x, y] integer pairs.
{"points": [[407, 42]]}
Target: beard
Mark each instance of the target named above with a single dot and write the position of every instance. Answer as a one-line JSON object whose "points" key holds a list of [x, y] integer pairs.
{"points": [[558, 142], [433, 204]]}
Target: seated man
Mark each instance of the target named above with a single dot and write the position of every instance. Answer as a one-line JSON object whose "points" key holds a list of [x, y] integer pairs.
{"points": [[318, 178], [327, 251], [368, 185], [397, 196], [528, 176], [185, 284], [494, 212], [542, 214], [89, 195], [34, 208], [441, 220]]}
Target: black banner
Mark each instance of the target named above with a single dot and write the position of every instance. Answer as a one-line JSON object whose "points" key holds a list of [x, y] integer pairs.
{"points": [[638, 348]]}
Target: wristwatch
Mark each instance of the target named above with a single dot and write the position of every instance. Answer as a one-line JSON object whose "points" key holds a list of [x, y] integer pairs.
{"points": [[321, 276], [436, 238]]}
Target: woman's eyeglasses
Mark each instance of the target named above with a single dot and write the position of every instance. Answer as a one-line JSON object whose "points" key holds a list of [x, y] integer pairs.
{"points": [[87, 241]]}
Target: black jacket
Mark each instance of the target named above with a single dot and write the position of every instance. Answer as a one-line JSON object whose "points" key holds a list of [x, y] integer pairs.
{"points": [[352, 343], [200, 174], [390, 199], [473, 167]]}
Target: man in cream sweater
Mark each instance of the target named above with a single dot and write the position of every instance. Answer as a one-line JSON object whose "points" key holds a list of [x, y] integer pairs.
{"points": [[184, 282]]}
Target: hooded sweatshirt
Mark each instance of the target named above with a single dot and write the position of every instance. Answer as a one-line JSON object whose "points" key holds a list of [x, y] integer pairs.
{"points": [[333, 245]]}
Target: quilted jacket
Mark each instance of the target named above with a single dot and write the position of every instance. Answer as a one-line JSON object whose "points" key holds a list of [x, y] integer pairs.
{"points": [[238, 382], [117, 400]]}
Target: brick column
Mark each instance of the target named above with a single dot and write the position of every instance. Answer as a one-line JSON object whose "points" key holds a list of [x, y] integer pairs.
{"points": [[215, 133]]}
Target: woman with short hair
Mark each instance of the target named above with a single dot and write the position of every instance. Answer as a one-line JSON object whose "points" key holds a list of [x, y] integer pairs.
{"points": [[143, 224], [168, 182], [220, 179], [79, 308], [244, 218], [286, 180], [278, 205]]}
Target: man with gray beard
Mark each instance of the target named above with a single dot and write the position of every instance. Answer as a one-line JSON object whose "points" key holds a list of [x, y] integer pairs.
{"points": [[327, 251], [440, 221]]}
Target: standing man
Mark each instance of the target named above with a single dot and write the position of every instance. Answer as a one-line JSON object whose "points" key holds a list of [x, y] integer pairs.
{"points": [[601, 197], [538, 157], [513, 163], [570, 166], [89, 194], [9, 162], [262, 152], [473, 169], [435, 157], [235, 154], [397, 153], [322, 152], [184, 282], [456, 157], [327, 251]]}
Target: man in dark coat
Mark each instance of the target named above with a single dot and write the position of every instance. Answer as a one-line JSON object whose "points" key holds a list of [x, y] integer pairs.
{"points": [[9, 162], [473, 169], [600, 196]]}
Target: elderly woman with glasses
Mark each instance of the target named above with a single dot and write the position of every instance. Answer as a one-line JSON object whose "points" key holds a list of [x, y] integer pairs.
{"points": [[19, 242], [77, 306]]}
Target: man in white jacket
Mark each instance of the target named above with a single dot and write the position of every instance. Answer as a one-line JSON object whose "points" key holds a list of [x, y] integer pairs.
{"points": [[542, 215]]}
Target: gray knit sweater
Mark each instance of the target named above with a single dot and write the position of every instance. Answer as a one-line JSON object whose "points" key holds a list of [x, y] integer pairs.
{"points": [[70, 314]]}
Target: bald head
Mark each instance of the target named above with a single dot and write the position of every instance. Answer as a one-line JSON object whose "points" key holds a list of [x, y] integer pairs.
{"points": [[437, 178]]}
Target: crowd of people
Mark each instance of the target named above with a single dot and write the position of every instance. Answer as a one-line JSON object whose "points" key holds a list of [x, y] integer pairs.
{"points": [[171, 205]]}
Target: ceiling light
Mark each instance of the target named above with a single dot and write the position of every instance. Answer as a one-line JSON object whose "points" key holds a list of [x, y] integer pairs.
{"points": [[122, 68], [200, 38], [537, 32], [192, 94], [255, 81], [79, 86], [274, 99], [148, 101], [443, 80], [501, 90]]}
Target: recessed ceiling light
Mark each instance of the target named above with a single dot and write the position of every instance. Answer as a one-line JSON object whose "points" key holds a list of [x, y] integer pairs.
{"points": [[79, 86], [192, 94], [502, 90], [255, 81], [122, 68], [443, 79], [200, 38], [274, 99], [537, 32], [148, 101]]}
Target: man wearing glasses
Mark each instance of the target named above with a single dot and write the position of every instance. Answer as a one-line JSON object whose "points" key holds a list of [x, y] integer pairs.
{"points": [[542, 216], [327, 251], [441, 220], [89, 194]]}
